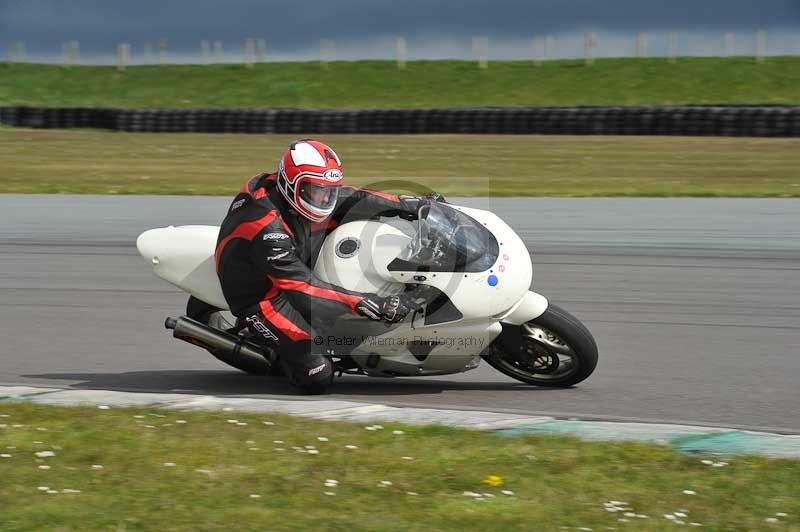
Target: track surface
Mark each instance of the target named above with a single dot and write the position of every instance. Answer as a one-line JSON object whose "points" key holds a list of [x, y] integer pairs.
{"points": [[695, 305]]}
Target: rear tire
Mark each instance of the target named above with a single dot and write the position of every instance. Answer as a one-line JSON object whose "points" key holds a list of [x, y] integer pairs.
{"points": [[201, 311], [557, 341]]}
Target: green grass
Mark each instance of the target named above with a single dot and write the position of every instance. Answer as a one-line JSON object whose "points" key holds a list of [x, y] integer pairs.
{"points": [[379, 84], [556, 482], [96, 162]]}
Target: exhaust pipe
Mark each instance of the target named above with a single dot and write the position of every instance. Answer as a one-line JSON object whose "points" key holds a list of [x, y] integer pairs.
{"points": [[229, 348]]}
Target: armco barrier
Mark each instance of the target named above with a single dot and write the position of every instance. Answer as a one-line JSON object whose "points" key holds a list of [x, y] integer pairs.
{"points": [[695, 120]]}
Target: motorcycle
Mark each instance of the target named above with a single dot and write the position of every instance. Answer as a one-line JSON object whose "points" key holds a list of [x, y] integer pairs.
{"points": [[466, 269]]}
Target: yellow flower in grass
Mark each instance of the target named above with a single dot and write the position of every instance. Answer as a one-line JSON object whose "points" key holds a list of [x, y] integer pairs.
{"points": [[493, 480]]}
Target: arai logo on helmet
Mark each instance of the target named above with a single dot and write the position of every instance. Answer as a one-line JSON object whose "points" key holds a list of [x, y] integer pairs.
{"points": [[333, 175]]}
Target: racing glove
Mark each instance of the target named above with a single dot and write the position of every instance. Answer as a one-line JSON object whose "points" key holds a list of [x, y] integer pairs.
{"points": [[391, 309]]}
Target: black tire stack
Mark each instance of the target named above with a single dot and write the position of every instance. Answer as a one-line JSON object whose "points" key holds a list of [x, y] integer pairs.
{"points": [[689, 120]]}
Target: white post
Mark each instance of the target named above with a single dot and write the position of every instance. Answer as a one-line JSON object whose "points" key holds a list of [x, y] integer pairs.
{"points": [[589, 42], [480, 48], [261, 50], [729, 44], [66, 54], [327, 51], [538, 50], [550, 47], [672, 47], [162, 52], [641, 44], [123, 55], [402, 52], [148, 53], [72, 53], [16, 52], [218, 52], [205, 51], [249, 52], [761, 45], [332, 50]]}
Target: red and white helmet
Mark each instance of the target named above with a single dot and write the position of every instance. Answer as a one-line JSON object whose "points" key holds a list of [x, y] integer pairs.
{"points": [[309, 177]]}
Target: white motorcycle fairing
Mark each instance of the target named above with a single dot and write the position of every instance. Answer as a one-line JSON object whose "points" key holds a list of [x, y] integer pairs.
{"points": [[446, 336], [184, 256]]}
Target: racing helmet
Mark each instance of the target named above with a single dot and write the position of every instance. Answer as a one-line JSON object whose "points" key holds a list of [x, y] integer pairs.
{"points": [[309, 177]]}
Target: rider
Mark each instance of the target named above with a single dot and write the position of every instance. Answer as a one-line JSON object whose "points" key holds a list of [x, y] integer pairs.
{"points": [[268, 244]]}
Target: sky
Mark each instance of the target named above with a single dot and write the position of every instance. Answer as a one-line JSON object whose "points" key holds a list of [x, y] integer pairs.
{"points": [[368, 28]]}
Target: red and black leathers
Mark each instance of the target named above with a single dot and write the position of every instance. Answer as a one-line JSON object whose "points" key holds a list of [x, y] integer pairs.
{"points": [[266, 252]]}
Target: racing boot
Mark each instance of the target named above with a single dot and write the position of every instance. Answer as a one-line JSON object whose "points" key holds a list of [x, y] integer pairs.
{"points": [[307, 368]]}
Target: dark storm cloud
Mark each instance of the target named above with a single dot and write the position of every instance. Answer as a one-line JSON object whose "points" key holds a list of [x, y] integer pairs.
{"points": [[291, 25]]}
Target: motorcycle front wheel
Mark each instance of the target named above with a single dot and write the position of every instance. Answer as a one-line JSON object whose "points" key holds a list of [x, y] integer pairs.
{"points": [[554, 350]]}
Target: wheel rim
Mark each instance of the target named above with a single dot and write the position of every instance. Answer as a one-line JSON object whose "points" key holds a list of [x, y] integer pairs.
{"points": [[543, 355]]}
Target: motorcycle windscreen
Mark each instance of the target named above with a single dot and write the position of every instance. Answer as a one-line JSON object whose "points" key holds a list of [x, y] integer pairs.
{"points": [[447, 240]]}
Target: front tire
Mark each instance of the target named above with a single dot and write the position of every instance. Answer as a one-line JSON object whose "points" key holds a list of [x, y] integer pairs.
{"points": [[204, 313], [554, 349]]}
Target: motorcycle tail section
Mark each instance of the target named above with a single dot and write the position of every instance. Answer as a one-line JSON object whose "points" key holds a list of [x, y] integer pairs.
{"points": [[184, 256]]}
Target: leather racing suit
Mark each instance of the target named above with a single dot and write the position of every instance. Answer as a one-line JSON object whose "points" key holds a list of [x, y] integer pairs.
{"points": [[265, 257]]}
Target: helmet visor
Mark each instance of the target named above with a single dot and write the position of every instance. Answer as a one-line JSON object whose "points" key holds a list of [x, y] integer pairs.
{"points": [[320, 197]]}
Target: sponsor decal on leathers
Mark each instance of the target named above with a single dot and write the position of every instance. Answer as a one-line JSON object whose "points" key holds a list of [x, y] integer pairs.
{"points": [[276, 236], [259, 326], [278, 256], [314, 371]]}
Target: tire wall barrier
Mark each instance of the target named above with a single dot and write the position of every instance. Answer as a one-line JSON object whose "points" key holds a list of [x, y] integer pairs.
{"points": [[695, 120]]}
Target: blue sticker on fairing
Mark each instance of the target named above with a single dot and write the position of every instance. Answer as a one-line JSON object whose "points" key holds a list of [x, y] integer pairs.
{"points": [[492, 280]]}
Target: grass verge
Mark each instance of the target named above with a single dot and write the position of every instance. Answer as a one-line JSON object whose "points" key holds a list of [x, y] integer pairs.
{"points": [[379, 84], [133, 469], [100, 162]]}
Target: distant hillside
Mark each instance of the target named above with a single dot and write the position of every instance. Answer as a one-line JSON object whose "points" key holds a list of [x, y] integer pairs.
{"points": [[373, 84]]}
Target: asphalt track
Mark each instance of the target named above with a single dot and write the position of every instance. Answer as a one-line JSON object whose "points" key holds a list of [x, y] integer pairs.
{"points": [[695, 305]]}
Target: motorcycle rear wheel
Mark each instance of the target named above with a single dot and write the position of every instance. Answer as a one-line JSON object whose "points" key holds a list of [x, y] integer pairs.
{"points": [[203, 312], [554, 350]]}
